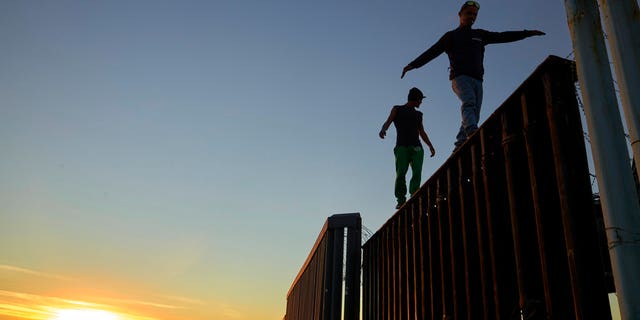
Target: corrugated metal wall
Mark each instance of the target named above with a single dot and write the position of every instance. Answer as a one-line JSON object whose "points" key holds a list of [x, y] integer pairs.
{"points": [[505, 229]]}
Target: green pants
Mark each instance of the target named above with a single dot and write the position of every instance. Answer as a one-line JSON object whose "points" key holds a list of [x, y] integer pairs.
{"points": [[408, 156]]}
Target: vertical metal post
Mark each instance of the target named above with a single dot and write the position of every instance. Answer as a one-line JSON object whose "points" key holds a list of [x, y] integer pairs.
{"points": [[318, 280], [388, 275], [370, 282], [551, 241], [418, 260], [378, 285], [501, 252], [402, 262], [395, 272], [619, 199], [366, 282], [455, 244], [411, 275], [622, 19], [572, 180], [333, 290], [433, 244], [481, 225], [529, 257], [473, 292], [445, 253], [352, 272], [385, 274]]}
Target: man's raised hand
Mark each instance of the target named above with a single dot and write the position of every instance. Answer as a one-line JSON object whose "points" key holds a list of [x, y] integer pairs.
{"points": [[405, 69]]}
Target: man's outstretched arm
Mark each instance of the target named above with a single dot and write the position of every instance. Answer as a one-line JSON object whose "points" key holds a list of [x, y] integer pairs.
{"points": [[431, 53], [510, 36]]}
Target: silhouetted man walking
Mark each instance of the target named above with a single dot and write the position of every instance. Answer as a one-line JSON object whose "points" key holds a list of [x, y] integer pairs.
{"points": [[408, 150], [465, 48]]}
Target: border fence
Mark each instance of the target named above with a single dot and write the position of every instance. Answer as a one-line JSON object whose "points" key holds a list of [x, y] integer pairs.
{"points": [[318, 293], [506, 228]]}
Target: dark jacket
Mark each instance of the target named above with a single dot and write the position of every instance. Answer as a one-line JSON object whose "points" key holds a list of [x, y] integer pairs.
{"points": [[465, 48]]}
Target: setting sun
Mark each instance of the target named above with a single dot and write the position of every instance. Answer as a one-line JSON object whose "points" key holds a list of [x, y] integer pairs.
{"points": [[85, 315]]}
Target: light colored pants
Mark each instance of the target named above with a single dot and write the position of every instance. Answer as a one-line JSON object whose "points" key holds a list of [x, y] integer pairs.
{"points": [[469, 91]]}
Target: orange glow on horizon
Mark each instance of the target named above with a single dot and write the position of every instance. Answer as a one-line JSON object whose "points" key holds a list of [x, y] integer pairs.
{"points": [[26, 306], [72, 314]]}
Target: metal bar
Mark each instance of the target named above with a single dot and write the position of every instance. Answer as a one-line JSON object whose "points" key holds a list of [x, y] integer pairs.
{"points": [[468, 232], [367, 280], [461, 182], [402, 263], [414, 253], [572, 177], [378, 290], [455, 245], [481, 228], [333, 281], [307, 281], [500, 237], [392, 272], [418, 268], [622, 20], [551, 243], [420, 259], [531, 132], [521, 213], [507, 142], [378, 293], [388, 275], [381, 299], [321, 277], [385, 275], [325, 301], [619, 200], [445, 252], [395, 269], [352, 273], [373, 303], [410, 254], [336, 283], [433, 236]]}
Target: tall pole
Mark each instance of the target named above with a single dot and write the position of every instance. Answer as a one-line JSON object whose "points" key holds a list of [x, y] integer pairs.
{"points": [[622, 19], [620, 205]]}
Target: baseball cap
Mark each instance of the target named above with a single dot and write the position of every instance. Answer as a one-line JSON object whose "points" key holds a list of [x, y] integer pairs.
{"points": [[415, 94], [469, 4]]}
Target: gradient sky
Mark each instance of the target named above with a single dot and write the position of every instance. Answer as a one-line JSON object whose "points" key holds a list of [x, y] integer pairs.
{"points": [[177, 159]]}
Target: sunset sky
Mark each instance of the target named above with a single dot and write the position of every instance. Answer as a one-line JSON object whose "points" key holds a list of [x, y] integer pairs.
{"points": [[175, 160]]}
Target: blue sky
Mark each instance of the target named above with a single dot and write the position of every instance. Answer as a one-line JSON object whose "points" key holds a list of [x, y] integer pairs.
{"points": [[195, 148]]}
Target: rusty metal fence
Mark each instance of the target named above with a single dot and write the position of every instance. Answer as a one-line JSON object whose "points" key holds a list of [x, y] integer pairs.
{"points": [[328, 284], [505, 229]]}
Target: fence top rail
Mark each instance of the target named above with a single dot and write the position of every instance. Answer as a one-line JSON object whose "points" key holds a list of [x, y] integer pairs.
{"points": [[336, 221], [551, 63]]}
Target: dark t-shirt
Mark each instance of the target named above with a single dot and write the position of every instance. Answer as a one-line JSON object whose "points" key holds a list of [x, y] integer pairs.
{"points": [[407, 122]]}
